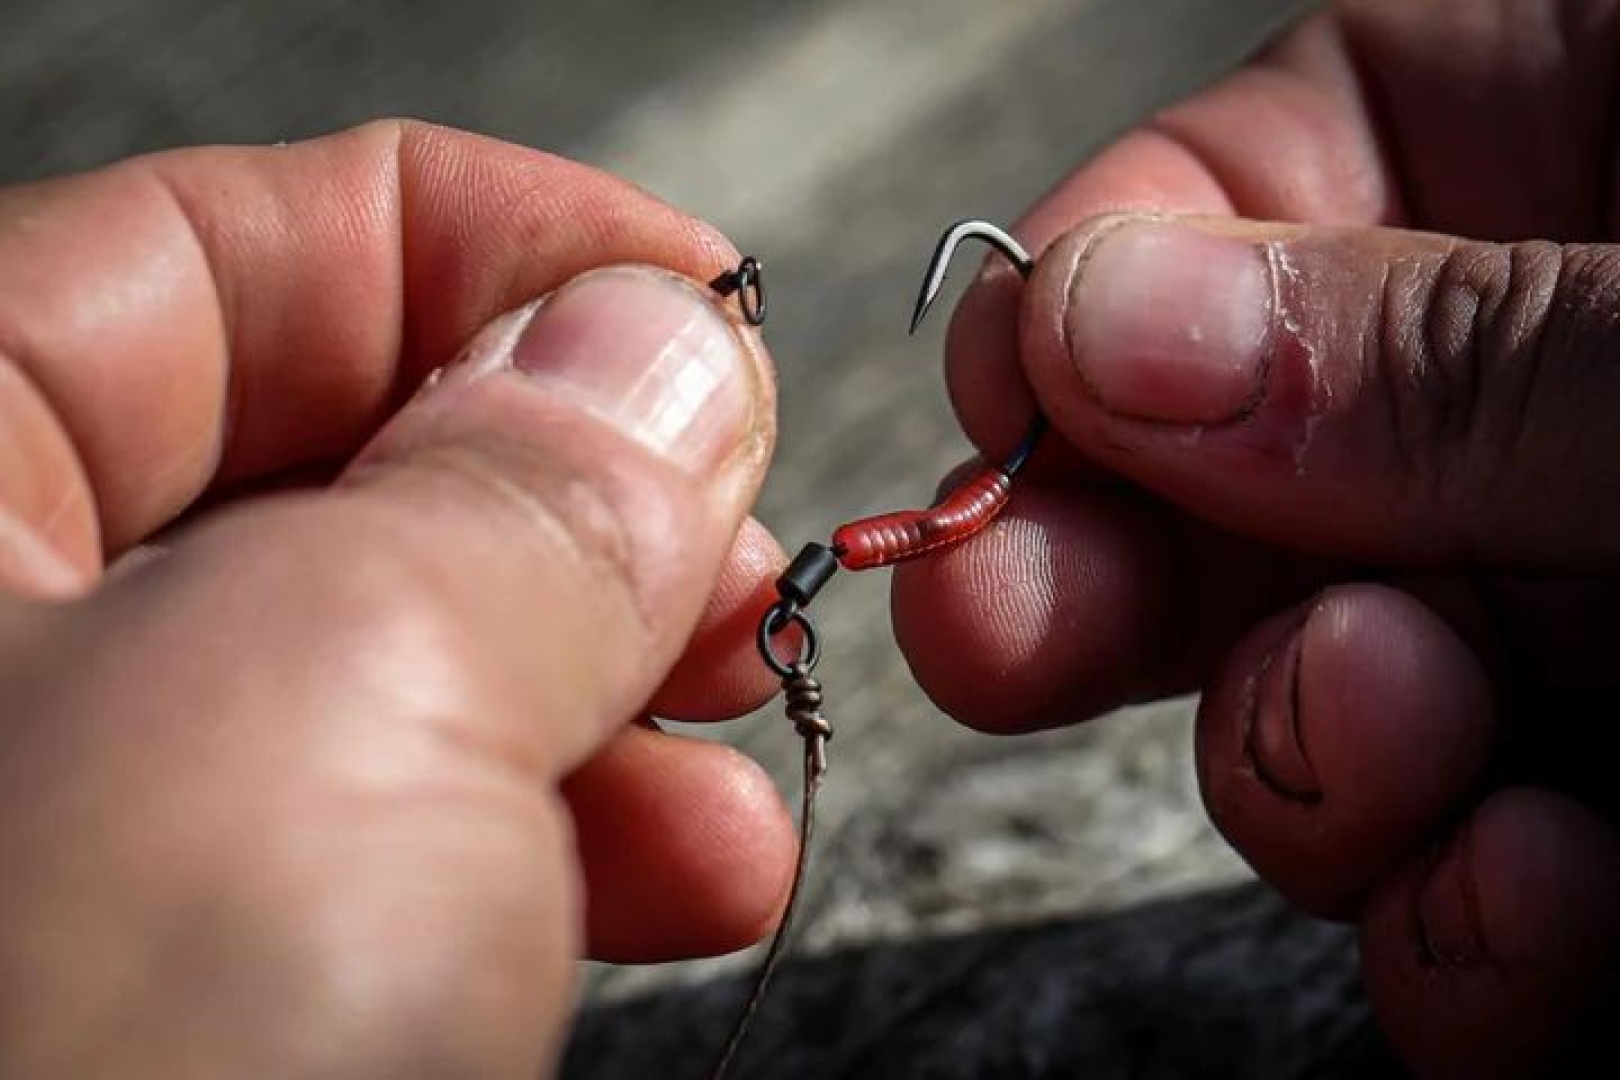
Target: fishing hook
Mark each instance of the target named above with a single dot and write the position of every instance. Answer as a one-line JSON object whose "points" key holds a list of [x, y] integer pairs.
{"points": [[940, 265], [973, 504]]}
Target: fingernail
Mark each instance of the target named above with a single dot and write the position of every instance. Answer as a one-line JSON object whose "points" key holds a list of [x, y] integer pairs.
{"points": [[1447, 912], [647, 352], [1274, 741], [1169, 323]]}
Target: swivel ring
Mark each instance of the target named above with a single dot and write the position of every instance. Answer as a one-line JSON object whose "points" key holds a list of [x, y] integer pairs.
{"points": [[748, 282], [751, 290], [778, 619]]}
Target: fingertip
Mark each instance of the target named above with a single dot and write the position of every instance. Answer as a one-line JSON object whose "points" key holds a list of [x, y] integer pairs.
{"points": [[1337, 737], [686, 848], [1490, 957], [1060, 610], [720, 676]]}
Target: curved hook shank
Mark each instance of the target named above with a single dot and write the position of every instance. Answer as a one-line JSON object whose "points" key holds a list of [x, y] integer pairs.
{"points": [[993, 235], [1009, 249]]}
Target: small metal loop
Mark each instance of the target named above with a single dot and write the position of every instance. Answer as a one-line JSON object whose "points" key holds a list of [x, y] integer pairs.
{"points": [[782, 615], [751, 290], [748, 282]]}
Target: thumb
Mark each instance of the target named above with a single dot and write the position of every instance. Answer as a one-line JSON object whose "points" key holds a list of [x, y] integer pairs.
{"points": [[586, 465], [529, 543], [1373, 393]]}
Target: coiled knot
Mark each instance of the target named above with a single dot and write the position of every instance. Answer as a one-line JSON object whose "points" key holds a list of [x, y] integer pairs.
{"points": [[803, 699]]}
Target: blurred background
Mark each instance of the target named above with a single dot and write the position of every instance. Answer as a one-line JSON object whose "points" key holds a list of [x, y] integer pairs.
{"points": [[1045, 907]]}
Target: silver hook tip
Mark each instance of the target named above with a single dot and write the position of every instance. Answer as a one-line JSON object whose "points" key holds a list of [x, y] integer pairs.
{"points": [[939, 266]]}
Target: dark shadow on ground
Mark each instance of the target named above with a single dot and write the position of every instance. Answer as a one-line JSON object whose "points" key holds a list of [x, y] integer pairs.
{"points": [[1221, 984]]}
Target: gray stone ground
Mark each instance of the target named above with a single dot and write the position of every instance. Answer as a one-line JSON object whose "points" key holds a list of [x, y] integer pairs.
{"points": [[1046, 907]]}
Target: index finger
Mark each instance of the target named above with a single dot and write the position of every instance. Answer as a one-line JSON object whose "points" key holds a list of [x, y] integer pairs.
{"points": [[203, 317]]}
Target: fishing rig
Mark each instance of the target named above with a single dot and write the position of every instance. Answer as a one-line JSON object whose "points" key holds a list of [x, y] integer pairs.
{"points": [[866, 544]]}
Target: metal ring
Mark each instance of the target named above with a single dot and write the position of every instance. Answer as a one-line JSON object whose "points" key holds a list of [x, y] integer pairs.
{"points": [[748, 283], [781, 616], [751, 290]]}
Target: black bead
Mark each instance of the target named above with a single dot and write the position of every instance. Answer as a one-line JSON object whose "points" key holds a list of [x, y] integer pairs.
{"points": [[807, 573]]}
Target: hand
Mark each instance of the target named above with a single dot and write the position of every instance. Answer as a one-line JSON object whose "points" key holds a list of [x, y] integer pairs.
{"points": [[340, 782], [1354, 483]]}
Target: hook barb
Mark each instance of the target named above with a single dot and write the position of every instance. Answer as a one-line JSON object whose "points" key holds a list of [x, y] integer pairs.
{"points": [[993, 235]]}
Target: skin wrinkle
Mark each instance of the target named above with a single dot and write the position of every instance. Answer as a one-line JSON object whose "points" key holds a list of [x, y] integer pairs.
{"points": [[1416, 382], [1424, 370], [1452, 319], [538, 191], [1377, 347], [1286, 330], [1518, 347], [1289, 637], [1035, 578]]}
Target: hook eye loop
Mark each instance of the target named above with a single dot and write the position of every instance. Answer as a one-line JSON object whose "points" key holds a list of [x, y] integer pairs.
{"points": [[777, 620]]}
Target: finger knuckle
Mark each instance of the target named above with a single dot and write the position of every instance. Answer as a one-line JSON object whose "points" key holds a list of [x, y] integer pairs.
{"points": [[1464, 362]]}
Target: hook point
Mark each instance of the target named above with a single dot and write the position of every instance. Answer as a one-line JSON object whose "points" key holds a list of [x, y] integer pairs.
{"points": [[938, 266], [920, 313]]}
